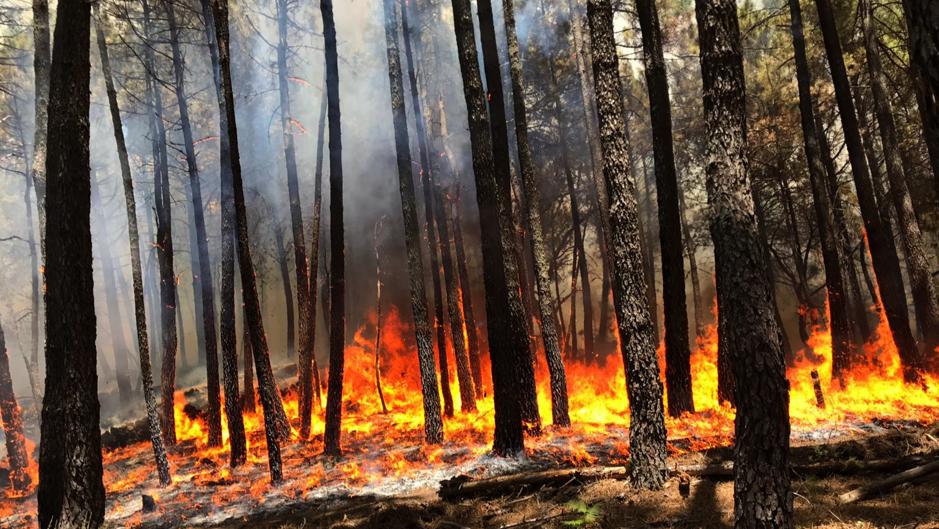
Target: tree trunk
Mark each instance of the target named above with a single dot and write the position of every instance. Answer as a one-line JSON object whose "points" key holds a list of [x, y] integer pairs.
{"points": [[762, 493], [691, 251], [206, 292], [925, 301], [337, 276], [883, 253], [284, 268], [429, 223], [505, 322], [532, 216], [249, 398], [922, 20], [637, 340], [647, 246], [41, 66], [304, 306], [140, 312], [466, 297], [71, 490], [564, 153], [433, 425], [838, 322], [227, 334], [164, 236], [109, 272], [677, 350], [840, 227], [309, 370], [275, 421], [17, 456]]}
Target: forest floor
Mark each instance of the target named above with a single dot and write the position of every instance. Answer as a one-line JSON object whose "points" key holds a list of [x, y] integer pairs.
{"points": [[612, 503]]}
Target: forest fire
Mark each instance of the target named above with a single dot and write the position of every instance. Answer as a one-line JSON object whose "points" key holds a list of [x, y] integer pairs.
{"points": [[385, 453]]}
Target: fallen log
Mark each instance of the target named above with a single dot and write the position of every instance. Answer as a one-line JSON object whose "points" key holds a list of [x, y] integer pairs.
{"points": [[463, 486], [873, 489], [724, 471]]}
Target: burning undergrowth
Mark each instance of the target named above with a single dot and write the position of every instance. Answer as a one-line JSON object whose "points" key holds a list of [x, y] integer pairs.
{"points": [[384, 454]]}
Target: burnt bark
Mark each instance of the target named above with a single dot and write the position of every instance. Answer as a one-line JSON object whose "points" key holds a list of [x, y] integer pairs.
{"points": [[275, 421], [922, 21], [17, 457], [883, 252], [523, 360], [838, 323], [140, 311], [466, 297], [227, 333], [433, 425], [337, 269], [506, 326], [637, 341], [71, 490], [430, 221], [309, 378], [206, 293], [283, 267], [899, 168], [532, 216], [762, 493], [41, 68], [164, 235], [677, 349], [304, 304]]}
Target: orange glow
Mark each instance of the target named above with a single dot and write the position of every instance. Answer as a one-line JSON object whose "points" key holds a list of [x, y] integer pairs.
{"points": [[381, 447]]}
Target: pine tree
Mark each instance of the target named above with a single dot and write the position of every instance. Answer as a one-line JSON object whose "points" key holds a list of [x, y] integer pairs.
{"points": [[71, 490], [637, 339], [762, 494]]}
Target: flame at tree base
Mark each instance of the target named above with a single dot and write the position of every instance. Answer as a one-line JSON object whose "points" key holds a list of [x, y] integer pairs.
{"points": [[382, 449]]}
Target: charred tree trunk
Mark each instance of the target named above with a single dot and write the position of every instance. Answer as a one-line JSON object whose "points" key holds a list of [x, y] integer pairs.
{"points": [[433, 425], [249, 398], [762, 493], [564, 153], [71, 491], [838, 322], [309, 378], [41, 67], [883, 252], [637, 342], [17, 456], [304, 305], [532, 216], [206, 292], [922, 20], [466, 298], [164, 236], [280, 246], [691, 251], [506, 326], [430, 221], [140, 312], [848, 263], [925, 301], [523, 360], [337, 276], [677, 350], [647, 246], [227, 333], [109, 272], [275, 421]]}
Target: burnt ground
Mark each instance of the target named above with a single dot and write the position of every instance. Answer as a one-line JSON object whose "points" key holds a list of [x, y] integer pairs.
{"points": [[613, 503]]}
